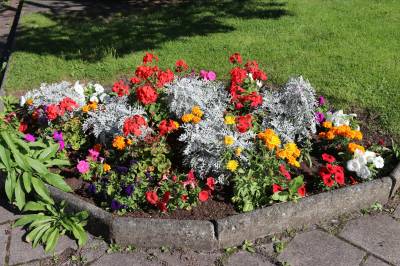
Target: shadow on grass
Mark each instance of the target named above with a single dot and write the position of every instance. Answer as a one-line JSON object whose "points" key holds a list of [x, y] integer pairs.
{"points": [[90, 30]]}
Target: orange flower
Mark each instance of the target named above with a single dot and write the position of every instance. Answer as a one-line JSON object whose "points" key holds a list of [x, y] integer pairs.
{"points": [[196, 119], [106, 167], [85, 109], [271, 140], [330, 135], [119, 143], [327, 124], [352, 147]]}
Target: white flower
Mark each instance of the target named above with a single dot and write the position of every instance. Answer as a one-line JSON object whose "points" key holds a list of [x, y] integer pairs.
{"points": [[364, 172], [22, 101], [94, 99], [339, 118], [353, 165], [79, 88], [378, 162], [369, 156], [98, 88], [104, 98], [250, 76], [259, 83]]}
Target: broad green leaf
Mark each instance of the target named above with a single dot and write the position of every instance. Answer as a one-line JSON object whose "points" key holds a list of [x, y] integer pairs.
{"points": [[52, 240], [57, 162], [80, 234], [6, 136], [19, 194], [34, 206], [57, 181], [38, 238], [20, 159], [5, 157], [41, 190], [20, 143], [27, 219], [37, 166], [9, 188], [49, 152], [26, 178]]}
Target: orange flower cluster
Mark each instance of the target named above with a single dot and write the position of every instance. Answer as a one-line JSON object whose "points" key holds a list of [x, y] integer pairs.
{"points": [[120, 142], [352, 147], [343, 131], [194, 117], [271, 140], [290, 152], [89, 107]]}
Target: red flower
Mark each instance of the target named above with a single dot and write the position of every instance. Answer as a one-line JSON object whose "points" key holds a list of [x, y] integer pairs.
{"points": [[243, 123], [184, 198], [328, 158], [162, 206], [133, 124], [144, 72], [238, 75], [23, 127], [353, 181], [52, 111], [203, 195], [328, 182], [166, 197], [284, 172], [164, 77], [135, 80], [235, 58], [181, 66], [211, 183], [276, 188], [146, 94], [120, 88], [148, 57], [166, 126], [67, 104], [251, 67], [260, 75], [238, 106], [151, 197], [254, 98], [302, 191], [339, 175], [381, 142], [190, 180]]}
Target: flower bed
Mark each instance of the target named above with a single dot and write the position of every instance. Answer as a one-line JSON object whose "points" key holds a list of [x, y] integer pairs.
{"points": [[180, 144]]}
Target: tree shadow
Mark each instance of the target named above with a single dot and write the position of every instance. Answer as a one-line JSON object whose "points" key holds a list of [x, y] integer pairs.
{"points": [[91, 30]]}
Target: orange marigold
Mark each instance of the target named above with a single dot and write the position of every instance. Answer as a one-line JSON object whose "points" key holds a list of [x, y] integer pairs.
{"points": [[352, 147], [119, 143]]}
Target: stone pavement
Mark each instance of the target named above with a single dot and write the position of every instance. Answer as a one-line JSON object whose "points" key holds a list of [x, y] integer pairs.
{"points": [[366, 238]]}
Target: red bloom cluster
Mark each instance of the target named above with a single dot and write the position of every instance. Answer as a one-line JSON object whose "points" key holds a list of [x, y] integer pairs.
{"points": [[205, 193], [332, 173], [284, 172], [120, 88], [133, 124], [167, 126], [67, 104], [152, 198], [236, 58], [181, 66], [243, 123], [146, 94], [23, 127], [52, 111], [164, 77], [148, 58]]}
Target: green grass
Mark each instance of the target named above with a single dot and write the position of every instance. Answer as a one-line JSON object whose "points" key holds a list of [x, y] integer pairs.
{"points": [[348, 49]]}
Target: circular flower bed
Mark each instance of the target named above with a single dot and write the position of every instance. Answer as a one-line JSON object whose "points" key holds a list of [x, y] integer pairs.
{"points": [[183, 144]]}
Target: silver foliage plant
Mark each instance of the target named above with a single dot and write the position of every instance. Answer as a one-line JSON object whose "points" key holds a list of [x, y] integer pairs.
{"points": [[108, 120], [290, 111], [204, 142], [55, 93]]}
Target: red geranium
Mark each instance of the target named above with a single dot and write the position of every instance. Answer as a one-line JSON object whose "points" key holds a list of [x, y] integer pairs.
{"points": [[238, 75], [328, 158], [243, 123], [120, 88], [331, 173], [148, 58], [162, 206], [203, 195], [52, 111], [144, 72], [254, 98], [302, 190], [251, 66], [164, 77], [166, 126], [190, 180], [146, 94], [133, 124], [276, 188], [67, 104], [181, 66], [135, 80], [235, 58], [151, 197], [23, 127], [210, 183], [284, 172]]}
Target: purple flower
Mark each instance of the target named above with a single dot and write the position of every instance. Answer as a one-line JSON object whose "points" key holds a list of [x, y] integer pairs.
{"points": [[83, 167], [321, 100], [129, 190], [92, 188], [29, 138], [62, 145], [58, 136], [115, 205], [133, 161], [319, 117]]}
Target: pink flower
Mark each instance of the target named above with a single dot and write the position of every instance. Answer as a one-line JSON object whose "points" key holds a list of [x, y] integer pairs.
{"points": [[93, 154], [30, 138], [83, 167], [208, 75]]}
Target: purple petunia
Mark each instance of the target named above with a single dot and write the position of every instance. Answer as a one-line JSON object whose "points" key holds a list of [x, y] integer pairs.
{"points": [[115, 205], [92, 189], [29, 138], [319, 117], [58, 136], [321, 100], [129, 190]]}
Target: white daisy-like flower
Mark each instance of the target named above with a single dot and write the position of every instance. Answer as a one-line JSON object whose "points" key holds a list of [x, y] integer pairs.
{"points": [[379, 162], [94, 99]]}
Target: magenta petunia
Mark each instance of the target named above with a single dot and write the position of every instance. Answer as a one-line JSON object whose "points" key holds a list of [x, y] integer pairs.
{"points": [[29, 138], [83, 167], [93, 154]]}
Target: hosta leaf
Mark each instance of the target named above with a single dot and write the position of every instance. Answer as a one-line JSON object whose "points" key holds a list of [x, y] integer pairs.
{"points": [[37, 166], [57, 181], [49, 152], [52, 240], [19, 194], [27, 219], [34, 206], [41, 190], [26, 178], [5, 157]]}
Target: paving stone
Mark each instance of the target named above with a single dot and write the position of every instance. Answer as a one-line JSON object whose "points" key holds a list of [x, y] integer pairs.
{"points": [[319, 248], [372, 261], [248, 259], [266, 249], [187, 257], [378, 234], [396, 213], [3, 242], [22, 252], [5, 214], [131, 259], [94, 249]]}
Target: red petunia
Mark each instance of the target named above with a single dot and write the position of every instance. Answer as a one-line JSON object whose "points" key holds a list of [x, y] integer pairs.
{"points": [[23, 127], [52, 111], [164, 77], [235, 58], [276, 188], [162, 206], [120, 88], [329, 182], [302, 191], [146, 94], [328, 158], [243, 123], [203, 195], [166, 126], [284, 172], [339, 175], [181, 66], [166, 197], [210, 183], [148, 58], [132, 125], [151, 197]]}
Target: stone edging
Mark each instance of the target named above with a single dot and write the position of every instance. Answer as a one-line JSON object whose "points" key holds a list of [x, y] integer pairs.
{"points": [[233, 230]]}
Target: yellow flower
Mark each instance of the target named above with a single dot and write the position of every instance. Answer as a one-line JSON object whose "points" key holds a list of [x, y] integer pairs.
{"points": [[232, 165], [187, 118], [238, 151], [358, 135], [352, 147], [85, 109], [330, 135], [327, 124], [106, 167], [292, 161], [281, 153], [176, 124], [197, 111], [292, 149], [196, 119], [29, 102], [229, 140], [229, 120], [129, 141], [119, 143], [271, 140]]}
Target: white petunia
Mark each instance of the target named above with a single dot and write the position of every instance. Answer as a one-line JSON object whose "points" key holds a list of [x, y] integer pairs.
{"points": [[353, 165], [22, 101], [378, 162], [98, 88], [94, 99], [79, 88], [364, 172], [339, 118], [104, 98], [369, 156]]}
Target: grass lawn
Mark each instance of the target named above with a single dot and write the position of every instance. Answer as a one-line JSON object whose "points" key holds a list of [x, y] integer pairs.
{"points": [[348, 49]]}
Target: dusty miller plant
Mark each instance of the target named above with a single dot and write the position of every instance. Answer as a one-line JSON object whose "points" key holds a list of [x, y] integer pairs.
{"points": [[290, 111]]}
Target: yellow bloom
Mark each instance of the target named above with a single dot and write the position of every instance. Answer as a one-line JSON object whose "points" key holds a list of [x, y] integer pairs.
{"points": [[187, 118], [238, 151], [352, 147], [292, 149], [93, 105], [197, 111], [129, 141], [229, 140], [232, 165], [85, 109], [196, 119], [281, 153], [292, 161], [119, 143], [106, 167], [229, 120], [29, 102], [330, 135], [327, 124], [176, 124], [271, 140], [358, 135]]}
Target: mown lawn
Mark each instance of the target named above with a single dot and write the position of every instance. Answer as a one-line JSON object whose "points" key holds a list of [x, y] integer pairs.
{"points": [[348, 49]]}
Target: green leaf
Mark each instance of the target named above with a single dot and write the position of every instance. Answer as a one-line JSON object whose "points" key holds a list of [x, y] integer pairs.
{"points": [[37, 166], [19, 194], [57, 162], [79, 233], [41, 190], [20, 159], [295, 184], [39, 235], [5, 157], [49, 152], [52, 240], [9, 186], [33, 233], [27, 219], [26, 178], [34, 206], [57, 181]]}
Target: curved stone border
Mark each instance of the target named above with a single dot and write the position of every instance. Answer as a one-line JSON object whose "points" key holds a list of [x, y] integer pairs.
{"points": [[233, 230]]}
